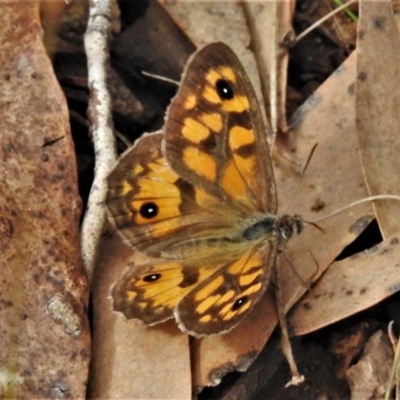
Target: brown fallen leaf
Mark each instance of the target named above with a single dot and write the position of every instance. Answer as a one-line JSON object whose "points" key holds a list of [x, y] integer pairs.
{"points": [[220, 21], [51, 13], [44, 336], [350, 286], [363, 280], [129, 359], [377, 107], [270, 25]]}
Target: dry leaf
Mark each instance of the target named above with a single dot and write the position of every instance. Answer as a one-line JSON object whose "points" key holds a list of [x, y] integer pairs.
{"points": [[270, 24], [333, 177], [221, 21], [350, 286], [129, 359], [363, 280], [377, 107]]}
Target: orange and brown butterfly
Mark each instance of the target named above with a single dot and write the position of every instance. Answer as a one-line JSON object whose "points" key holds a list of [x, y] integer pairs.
{"points": [[199, 199]]}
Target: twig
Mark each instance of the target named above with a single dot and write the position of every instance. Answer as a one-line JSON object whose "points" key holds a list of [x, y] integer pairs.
{"points": [[396, 362], [96, 47], [356, 203], [320, 21]]}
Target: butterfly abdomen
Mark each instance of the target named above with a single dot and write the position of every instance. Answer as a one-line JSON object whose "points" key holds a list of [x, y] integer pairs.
{"points": [[261, 228]]}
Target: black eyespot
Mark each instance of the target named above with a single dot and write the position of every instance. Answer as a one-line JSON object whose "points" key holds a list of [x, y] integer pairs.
{"points": [[148, 210], [224, 89], [152, 277], [239, 303]]}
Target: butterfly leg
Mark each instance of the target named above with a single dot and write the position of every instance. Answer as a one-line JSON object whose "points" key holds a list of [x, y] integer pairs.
{"points": [[285, 340]]}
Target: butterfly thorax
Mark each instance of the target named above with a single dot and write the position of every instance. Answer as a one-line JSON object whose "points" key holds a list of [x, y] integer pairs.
{"points": [[281, 227]]}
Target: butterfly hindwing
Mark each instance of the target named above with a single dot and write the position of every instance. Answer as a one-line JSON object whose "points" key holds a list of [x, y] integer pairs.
{"points": [[221, 301], [151, 291], [206, 297]]}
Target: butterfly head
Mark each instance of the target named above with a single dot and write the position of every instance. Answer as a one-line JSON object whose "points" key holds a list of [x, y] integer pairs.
{"points": [[289, 226]]}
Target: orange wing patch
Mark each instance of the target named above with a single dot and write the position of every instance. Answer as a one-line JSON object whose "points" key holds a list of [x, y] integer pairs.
{"points": [[240, 176], [155, 188], [194, 131], [239, 136], [222, 72], [233, 185], [190, 102], [200, 162], [223, 299], [211, 95], [237, 104], [212, 121], [149, 202]]}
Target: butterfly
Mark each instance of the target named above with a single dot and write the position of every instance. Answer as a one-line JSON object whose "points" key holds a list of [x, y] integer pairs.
{"points": [[199, 200]]}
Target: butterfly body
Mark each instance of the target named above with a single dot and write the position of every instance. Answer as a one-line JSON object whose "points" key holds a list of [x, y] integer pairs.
{"points": [[199, 200]]}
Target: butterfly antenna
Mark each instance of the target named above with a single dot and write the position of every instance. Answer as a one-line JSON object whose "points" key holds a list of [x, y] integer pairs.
{"points": [[160, 78], [356, 203], [314, 225]]}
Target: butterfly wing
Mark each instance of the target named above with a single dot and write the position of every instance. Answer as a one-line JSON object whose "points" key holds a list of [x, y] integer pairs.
{"points": [[214, 133], [206, 296], [156, 210], [151, 291], [221, 301]]}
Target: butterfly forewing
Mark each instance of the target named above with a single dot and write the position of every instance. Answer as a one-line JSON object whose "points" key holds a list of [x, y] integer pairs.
{"points": [[214, 133], [156, 210]]}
